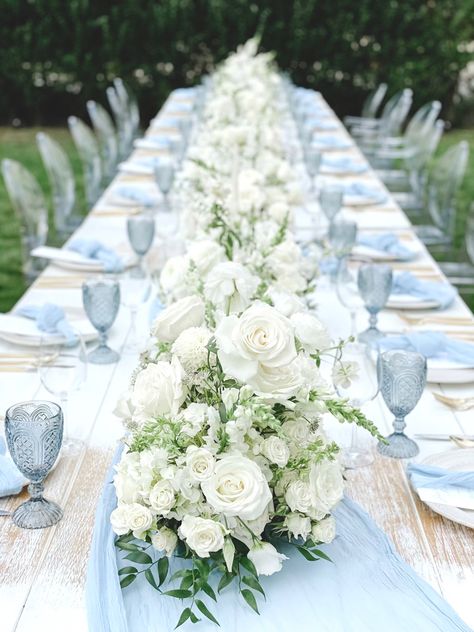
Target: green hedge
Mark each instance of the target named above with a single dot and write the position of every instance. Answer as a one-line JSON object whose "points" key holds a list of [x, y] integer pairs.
{"points": [[56, 54]]}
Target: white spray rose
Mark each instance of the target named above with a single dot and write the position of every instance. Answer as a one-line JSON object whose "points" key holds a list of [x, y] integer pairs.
{"points": [[200, 463], [190, 347], [298, 496], [119, 520], [276, 451], [159, 390], [298, 526], [179, 316], [310, 332], [230, 286], [326, 484], [165, 540], [202, 535], [137, 517], [324, 531], [266, 558], [162, 497]]}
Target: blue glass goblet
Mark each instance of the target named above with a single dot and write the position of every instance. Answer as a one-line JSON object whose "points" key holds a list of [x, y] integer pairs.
{"points": [[402, 379], [375, 284], [101, 299], [34, 433], [330, 201], [141, 231]]}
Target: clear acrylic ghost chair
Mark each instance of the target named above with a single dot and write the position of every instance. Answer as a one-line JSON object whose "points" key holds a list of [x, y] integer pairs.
{"points": [[129, 103], [122, 121], [370, 107], [62, 182], [106, 134], [443, 184], [30, 205], [461, 273], [390, 123], [88, 149]]}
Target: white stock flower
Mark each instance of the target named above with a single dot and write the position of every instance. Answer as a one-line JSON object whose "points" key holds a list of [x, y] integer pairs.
{"points": [[298, 496], [202, 535], [194, 416], [326, 485], [200, 463], [266, 558], [324, 531], [230, 286], [237, 488], [179, 316], [310, 332], [190, 347], [165, 540], [298, 526], [344, 372], [159, 390], [162, 497], [276, 450], [205, 254]]}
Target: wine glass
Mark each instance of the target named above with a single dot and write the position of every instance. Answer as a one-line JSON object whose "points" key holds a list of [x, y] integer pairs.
{"points": [[141, 231], [62, 370], [313, 162], [164, 176], [34, 432], [101, 299], [342, 236], [402, 378], [374, 281], [133, 292], [347, 289], [330, 200], [353, 379]]}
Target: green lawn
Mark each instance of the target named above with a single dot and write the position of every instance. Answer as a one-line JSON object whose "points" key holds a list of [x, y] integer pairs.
{"points": [[20, 145]]}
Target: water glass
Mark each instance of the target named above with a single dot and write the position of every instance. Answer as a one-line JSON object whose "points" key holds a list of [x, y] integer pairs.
{"points": [[101, 299], [374, 281], [347, 289], [313, 162], [134, 292], [330, 200], [34, 432], [342, 237], [164, 176], [141, 231], [402, 379]]}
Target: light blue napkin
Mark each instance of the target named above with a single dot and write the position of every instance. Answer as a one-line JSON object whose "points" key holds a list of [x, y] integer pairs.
{"points": [[439, 478], [93, 249], [11, 480], [343, 163], [387, 242], [155, 308], [331, 141], [431, 344], [407, 283], [363, 190], [51, 319], [321, 123], [136, 195]]}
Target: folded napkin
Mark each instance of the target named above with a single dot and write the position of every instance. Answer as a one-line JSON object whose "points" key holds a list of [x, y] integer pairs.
{"points": [[51, 319], [407, 283], [11, 480], [331, 141], [155, 308], [136, 195], [363, 190], [387, 242], [321, 123], [431, 344], [93, 249], [438, 485], [343, 163]]}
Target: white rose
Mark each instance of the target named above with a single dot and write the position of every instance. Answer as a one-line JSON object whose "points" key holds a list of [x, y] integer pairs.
{"points": [[139, 519], [165, 540], [324, 531], [279, 383], [230, 286], [173, 277], [326, 484], [285, 302], [261, 336], [173, 320], [298, 526], [298, 431], [119, 520], [205, 254], [298, 496], [159, 390], [191, 348], [310, 332], [200, 463], [237, 488], [276, 451], [162, 497], [266, 558], [203, 536]]}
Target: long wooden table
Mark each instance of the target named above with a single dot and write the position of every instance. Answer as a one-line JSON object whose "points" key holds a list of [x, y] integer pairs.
{"points": [[42, 573]]}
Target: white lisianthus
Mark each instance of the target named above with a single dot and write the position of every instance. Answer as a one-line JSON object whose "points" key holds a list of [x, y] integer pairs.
{"points": [[276, 451], [230, 286], [190, 347], [173, 277], [326, 485], [324, 530], [165, 540], [298, 526], [202, 535], [162, 497], [237, 488], [200, 463], [158, 389], [205, 254], [310, 332], [266, 558], [298, 496], [179, 316]]}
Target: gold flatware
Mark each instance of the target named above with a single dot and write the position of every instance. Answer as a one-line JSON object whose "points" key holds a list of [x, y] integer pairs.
{"points": [[439, 320], [457, 403], [462, 442]]}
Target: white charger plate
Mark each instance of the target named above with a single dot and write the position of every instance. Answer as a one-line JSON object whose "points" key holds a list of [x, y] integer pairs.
{"points": [[455, 460], [407, 301], [381, 255], [70, 260], [23, 331]]}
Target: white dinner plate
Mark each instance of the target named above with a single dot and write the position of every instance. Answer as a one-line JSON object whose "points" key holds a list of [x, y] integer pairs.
{"points": [[381, 255], [23, 331], [70, 260], [407, 301], [456, 460]]}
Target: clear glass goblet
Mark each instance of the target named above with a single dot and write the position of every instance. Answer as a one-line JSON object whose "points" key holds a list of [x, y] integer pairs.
{"points": [[141, 231], [330, 200], [313, 163], [164, 176], [101, 299], [374, 281], [134, 292], [402, 379], [354, 378], [342, 236], [34, 432], [347, 289]]}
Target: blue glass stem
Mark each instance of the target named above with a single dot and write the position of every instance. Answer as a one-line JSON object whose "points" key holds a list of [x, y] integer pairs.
{"points": [[399, 425], [36, 490]]}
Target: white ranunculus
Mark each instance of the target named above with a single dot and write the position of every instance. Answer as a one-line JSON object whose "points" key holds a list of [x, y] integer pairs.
{"points": [[324, 531], [202, 535], [298, 526], [200, 463], [326, 485], [179, 316], [159, 390], [165, 540], [230, 286], [173, 277], [191, 348], [237, 488], [119, 520], [310, 332], [266, 558], [162, 497], [298, 496], [205, 254], [276, 450], [261, 336]]}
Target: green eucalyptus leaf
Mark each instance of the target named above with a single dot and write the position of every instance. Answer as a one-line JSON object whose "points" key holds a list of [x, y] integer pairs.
{"points": [[179, 594], [139, 557], [225, 580], [209, 591], [163, 568], [248, 565], [127, 580], [250, 599], [185, 615], [127, 570], [253, 583], [150, 578], [205, 611]]}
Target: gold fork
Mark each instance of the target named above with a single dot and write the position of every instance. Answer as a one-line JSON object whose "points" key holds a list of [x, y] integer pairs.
{"points": [[457, 403], [441, 320]]}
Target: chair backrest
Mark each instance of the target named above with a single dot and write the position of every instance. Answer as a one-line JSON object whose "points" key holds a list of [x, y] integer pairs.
{"points": [[470, 235], [422, 120], [373, 101], [129, 103], [105, 132], [122, 121], [88, 149], [61, 179], [426, 142], [30, 205], [395, 112], [444, 181]]}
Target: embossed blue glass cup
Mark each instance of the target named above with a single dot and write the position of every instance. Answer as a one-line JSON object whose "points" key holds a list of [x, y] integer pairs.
{"points": [[34, 433], [141, 231], [374, 281], [330, 200], [402, 379], [101, 299]]}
